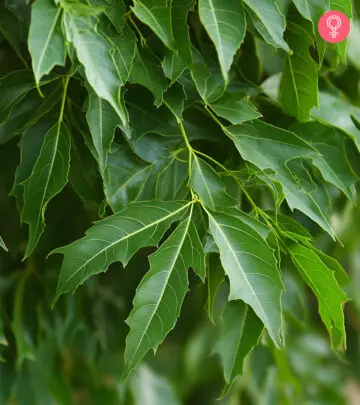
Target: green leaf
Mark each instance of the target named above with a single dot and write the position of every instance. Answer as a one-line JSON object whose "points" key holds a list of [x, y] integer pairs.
{"points": [[116, 238], [331, 298], [215, 277], [174, 99], [250, 264], [344, 6], [299, 82], [235, 108], [2, 244], [115, 11], [269, 21], [14, 88], [160, 294], [94, 52], [207, 184], [343, 117], [173, 66], [179, 13], [255, 141], [152, 389], [146, 70], [102, 121], [157, 15], [46, 41], [241, 331], [209, 82], [331, 160], [48, 178], [226, 25]]}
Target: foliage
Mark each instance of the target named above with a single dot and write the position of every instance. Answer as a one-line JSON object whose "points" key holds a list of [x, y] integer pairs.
{"points": [[145, 138]]}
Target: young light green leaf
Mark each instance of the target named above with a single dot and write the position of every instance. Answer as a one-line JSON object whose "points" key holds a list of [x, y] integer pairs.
{"points": [[269, 21], [281, 151], [94, 52], [331, 160], [102, 121], [116, 239], [2, 244], [157, 15], [151, 389], [298, 91], [251, 267], [331, 298], [160, 294], [48, 178], [226, 25], [343, 117], [146, 70], [46, 41], [235, 108], [241, 331]]}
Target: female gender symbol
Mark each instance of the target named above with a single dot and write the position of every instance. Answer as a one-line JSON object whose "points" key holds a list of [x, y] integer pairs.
{"points": [[334, 28], [338, 24]]}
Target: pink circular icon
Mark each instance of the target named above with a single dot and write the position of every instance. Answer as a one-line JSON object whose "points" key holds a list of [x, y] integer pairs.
{"points": [[334, 26]]}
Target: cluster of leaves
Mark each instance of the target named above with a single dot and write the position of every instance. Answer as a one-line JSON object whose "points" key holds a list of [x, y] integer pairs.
{"points": [[221, 136]]}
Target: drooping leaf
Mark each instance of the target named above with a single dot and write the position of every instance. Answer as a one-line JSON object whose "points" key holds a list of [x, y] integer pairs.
{"points": [[160, 294], [235, 108], [116, 238], [46, 41], [157, 15], [299, 81], [331, 298], [241, 331], [344, 6], [331, 160], [48, 178], [226, 25], [250, 264], [215, 277], [102, 121], [269, 21], [273, 148], [94, 52]]}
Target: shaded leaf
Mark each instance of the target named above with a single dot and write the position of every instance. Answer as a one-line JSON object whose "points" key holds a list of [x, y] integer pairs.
{"points": [[2, 244], [241, 331], [47, 179]]}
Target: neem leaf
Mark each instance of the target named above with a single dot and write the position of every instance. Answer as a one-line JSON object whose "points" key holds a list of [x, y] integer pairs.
{"points": [[331, 298], [241, 331], [331, 160], [102, 121], [46, 41], [226, 25], [235, 108], [269, 147], [251, 267], [48, 178], [94, 52], [114, 239], [160, 294], [269, 21], [299, 82], [157, 15]]}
